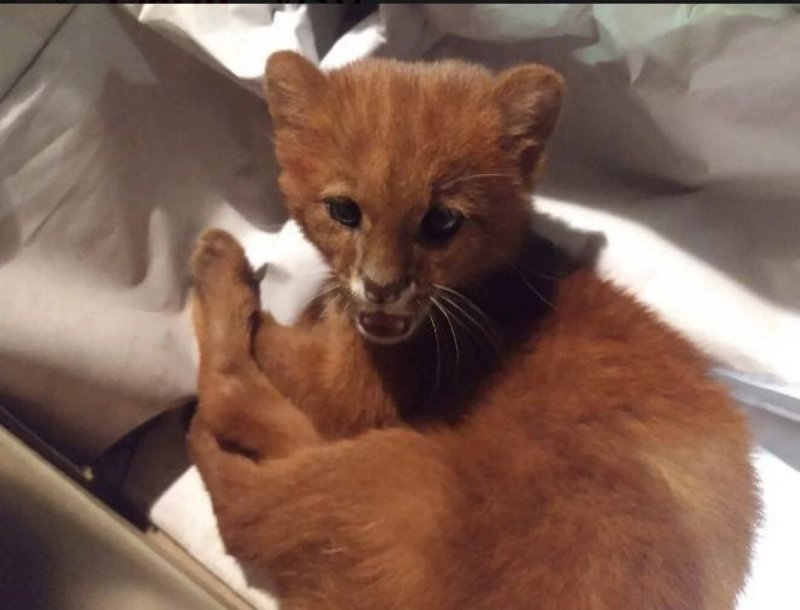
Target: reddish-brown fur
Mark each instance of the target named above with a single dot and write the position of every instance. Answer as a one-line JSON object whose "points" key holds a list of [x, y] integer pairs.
{"points": [[591, 465]]}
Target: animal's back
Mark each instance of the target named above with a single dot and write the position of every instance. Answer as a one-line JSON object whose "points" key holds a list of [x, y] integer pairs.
{"points": [[379, 459], [607, 469]]}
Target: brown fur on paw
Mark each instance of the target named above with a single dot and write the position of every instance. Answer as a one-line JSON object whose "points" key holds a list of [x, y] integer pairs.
{"points": [[226, 305], [219, 259], [199, 439]]}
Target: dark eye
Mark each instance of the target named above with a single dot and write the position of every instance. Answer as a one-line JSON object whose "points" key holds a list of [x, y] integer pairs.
{"points": [[343, 210], [440, 224]]}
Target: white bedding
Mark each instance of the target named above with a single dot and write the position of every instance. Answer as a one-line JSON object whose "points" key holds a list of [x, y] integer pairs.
{"points": [[118, 146], [124, 132]]}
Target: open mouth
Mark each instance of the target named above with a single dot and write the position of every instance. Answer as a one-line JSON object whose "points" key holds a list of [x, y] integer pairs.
{"points": [[383, 327]]}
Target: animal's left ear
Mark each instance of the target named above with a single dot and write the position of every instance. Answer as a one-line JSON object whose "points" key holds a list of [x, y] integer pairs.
{"points": [[529, 98], [292, 84]]}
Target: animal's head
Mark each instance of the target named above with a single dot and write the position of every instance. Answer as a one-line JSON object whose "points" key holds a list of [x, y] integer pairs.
{"points": [[409, 178]]}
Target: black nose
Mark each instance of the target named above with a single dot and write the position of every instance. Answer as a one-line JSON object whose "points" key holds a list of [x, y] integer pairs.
{"points": [[384, 293]]}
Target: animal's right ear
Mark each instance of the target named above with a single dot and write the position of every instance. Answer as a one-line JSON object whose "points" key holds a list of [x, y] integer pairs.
{"points": [[291, 83], [529, 97]]}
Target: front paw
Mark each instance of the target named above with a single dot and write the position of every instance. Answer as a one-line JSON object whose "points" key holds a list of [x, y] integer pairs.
{"points": [[226, 306], [219, 262]]}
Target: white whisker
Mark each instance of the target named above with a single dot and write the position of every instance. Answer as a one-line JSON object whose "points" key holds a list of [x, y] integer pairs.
{"points": [[487, 326], [528, 284], [438, 356], [484, 328], [329, 289], [452, 332], [460, 179], [469, 302], [542, 275], [479, 340], [331, 297]]}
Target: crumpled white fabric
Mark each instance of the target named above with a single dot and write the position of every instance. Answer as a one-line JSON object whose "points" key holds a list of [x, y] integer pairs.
{"points": [[124, 132]]}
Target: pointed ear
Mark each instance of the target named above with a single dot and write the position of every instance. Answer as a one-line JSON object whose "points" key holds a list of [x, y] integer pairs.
{"points": [[529, 98], [291, 83]]}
